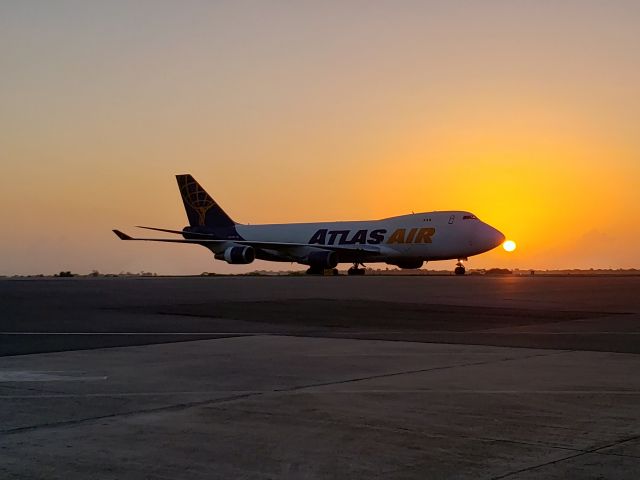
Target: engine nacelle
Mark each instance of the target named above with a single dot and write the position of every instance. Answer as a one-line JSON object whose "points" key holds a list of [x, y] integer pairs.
{"points": [[237, 255], [325, 259], [410, 264]]}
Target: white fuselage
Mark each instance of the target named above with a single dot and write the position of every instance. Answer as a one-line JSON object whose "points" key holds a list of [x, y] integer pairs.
{"points": [[421, 236]]}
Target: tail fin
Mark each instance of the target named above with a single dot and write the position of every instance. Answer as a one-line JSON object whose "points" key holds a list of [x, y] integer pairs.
{"points": [[202, 210]]}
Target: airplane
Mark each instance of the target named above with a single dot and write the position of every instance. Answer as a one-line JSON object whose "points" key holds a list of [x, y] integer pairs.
{"points": [[405, 241]]}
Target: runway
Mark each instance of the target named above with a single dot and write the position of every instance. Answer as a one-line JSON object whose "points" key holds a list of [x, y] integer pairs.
{"points": [[336, 377]]}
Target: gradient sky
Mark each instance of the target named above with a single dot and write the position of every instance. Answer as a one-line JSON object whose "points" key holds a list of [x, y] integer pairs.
{"points": [[525, 112]]}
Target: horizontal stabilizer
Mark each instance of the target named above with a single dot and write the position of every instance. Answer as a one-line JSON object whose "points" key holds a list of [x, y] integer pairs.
{"points": [[122, 236], [180, 232]]}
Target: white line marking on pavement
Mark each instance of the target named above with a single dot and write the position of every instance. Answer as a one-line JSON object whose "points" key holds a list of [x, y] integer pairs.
{"points": [[326, 392], [45, 376]]}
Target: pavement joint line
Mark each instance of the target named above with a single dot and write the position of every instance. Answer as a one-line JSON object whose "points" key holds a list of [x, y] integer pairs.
{"points": [[582, 452], [55, 394], [450, 435], [345, 335], [312, 334], [435, 341], [418, 433], [144, 344], [258, 393], [135, 333], [481, 332], [422, 370], [489, 392], [625, 455], [617, 443], [540, 333], [22, 387], [166, 408], [186, 405], [346, 330], [540, 465]]}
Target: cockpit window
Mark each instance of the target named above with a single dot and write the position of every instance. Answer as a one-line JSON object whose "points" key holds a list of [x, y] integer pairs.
{"points": [[469, 217]]}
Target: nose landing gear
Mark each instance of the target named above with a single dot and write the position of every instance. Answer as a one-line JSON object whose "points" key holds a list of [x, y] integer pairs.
{"points": [[355, 270], [459, 270]]}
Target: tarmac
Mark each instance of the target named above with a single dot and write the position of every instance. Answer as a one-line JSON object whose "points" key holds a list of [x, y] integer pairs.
{"points": [[333, 377]]}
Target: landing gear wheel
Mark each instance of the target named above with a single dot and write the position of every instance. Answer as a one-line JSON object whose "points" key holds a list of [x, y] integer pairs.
{"points": [[315, 271], [459, 270], [355, 270]]}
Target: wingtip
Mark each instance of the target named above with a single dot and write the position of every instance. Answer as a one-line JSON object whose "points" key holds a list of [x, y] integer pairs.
{"points": [[121, 235]]}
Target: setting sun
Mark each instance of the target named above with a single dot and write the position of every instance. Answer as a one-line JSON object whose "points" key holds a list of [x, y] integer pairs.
{"points": [[509, 245]]}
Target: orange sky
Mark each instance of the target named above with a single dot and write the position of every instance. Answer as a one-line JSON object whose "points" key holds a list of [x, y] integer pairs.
{"points": [[525, 113]]}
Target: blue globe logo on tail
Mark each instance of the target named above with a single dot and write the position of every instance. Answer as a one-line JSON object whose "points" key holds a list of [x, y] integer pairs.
{"points": [[202, 210], [195, 197]]}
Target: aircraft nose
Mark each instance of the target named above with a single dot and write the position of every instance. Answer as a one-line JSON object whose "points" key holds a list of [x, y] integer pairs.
{"points": [[493, 237], [498, 237]]}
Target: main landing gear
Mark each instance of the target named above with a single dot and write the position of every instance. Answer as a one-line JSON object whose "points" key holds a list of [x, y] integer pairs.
{"points": [[459, 270], [355, 270], [322, 271]]}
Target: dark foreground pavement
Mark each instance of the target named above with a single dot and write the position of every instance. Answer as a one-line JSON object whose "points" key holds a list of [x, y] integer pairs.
{"points": [[389, 377]]}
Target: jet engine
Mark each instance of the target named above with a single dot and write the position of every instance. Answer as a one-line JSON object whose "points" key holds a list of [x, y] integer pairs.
{"points": [[324, 259], [237, 255]]}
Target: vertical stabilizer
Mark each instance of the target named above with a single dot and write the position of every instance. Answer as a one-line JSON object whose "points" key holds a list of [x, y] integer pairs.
{"points": [[202, 210]]}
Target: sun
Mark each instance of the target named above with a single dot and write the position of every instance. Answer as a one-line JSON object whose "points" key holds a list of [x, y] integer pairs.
{"points": [[509, 245]]}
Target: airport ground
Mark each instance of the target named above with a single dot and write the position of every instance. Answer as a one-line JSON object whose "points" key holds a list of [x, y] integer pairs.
{"points": [[331, 377]]}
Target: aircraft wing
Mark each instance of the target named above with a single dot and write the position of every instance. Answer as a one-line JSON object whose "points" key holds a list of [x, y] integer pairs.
{"points": [[252, 243]]}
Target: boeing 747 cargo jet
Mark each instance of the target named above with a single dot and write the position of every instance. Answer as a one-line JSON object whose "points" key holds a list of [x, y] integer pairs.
{"points": [[406, 241]]}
